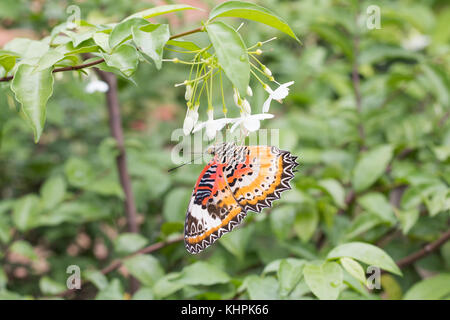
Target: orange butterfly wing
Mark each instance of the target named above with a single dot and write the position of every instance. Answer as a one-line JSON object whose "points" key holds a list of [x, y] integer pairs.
{"points": [[212, 210], [247, 178]]}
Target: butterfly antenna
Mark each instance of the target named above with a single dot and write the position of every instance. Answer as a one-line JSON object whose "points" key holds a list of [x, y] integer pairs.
{"points": [[172, 169]]}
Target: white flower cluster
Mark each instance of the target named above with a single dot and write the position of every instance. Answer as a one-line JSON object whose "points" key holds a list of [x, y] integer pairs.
{"points": [[247, 121]]}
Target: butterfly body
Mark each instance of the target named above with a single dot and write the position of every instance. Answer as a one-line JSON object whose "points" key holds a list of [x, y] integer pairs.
{"points": [[236, 180]]}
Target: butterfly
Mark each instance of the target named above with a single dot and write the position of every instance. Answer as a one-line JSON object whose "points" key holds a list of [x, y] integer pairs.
{"points": [[236, 180]]}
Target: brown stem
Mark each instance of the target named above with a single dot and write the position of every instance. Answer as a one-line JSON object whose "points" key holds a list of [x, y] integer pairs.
{"points": [[115, 124], [93, 63], [429, 248], [179, 35], [117, 263]]}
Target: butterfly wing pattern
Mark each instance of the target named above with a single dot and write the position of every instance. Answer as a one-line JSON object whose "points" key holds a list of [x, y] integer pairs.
{"points": [[236, 180]]}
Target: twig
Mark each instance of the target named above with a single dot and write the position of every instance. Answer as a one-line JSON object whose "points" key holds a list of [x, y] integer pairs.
{"points": [[93, 63], [117, 263], [115, 124], [429, 248], [443, 119]]}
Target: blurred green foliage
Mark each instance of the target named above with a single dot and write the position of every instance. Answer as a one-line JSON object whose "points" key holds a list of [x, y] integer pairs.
{"points": [[61, 202]]}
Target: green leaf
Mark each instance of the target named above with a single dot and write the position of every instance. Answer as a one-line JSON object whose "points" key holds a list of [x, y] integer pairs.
{"points": [[188, 45], [53, 191], [175, 204], [324, 280], [262, 288], [362, 223], [23, 248], [122, 31], [306, 221], [275, 265], [366, 253], [6, 229], [435, 288], [288, 276], [8, 59], [407, 218], [49, 59], [32, 90], [336, 37], [51, 287], [335, 190], [391, 287], [30, 51], [123, 58], [129, 242], [370, 167], [80, 37], [160, 10], [251, 11], [236, 242], [203, 273], [145, 268], [281, 221], [437, 83], [144, 294], [113, 291], [353, 268], [232, 54], [26, 212], [377, 204], [151, 41], [3, 279], [167, 285], [97, 278], [169, 228], [102, 40], [438, 201]]}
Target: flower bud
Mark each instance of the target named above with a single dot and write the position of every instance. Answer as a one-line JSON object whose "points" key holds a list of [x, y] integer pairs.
{"points": [[258, 52], [188, 93], [190, 120], [249, 91], [267, 71], [246, 106], [236, 97]]}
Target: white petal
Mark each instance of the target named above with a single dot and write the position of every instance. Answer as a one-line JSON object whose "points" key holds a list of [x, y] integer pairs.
{"points": [[220, 123], [200, 126], [188, 125], [266, 104], [97, 85], [282, 91], [268, 89], [211, 132], [236, 124], [262, 116], [251, 124]]}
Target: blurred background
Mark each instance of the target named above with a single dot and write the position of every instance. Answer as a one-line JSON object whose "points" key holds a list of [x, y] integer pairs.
{"points": [[61, 202]]}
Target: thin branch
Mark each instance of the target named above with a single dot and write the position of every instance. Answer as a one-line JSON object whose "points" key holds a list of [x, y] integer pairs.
{"points": [[115, 124], [93, 63], [429, 248], [116, 264]]}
